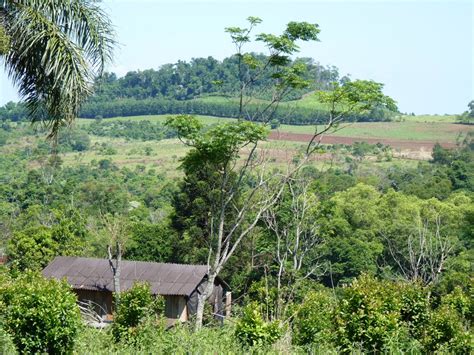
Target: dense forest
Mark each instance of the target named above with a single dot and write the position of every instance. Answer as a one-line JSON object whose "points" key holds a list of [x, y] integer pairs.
{"points": [[205, 86]]}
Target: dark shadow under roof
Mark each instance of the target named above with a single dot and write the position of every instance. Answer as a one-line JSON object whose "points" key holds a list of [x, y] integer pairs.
{"points": [[95, 274]]}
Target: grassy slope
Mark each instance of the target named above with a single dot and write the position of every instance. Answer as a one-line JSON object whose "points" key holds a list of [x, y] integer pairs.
{"points": [[416, 128], [416, 131]]}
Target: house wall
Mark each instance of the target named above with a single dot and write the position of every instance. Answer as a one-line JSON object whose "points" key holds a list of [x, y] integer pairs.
{"points": [[101, 301], [176, 308]]}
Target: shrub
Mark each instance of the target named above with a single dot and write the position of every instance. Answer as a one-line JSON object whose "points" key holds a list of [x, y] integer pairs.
{"points": [[313, 320], [415, 307], [368, 314], [449, 325], [40, 315], [447, 333], [136, 306], [251, 329], [459, 301]]}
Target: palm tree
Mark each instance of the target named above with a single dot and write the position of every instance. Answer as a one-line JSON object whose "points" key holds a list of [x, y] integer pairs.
{"points": [[53, 50]]}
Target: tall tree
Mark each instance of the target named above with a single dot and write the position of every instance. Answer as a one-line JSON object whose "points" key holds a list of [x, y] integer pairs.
{"points": [[53, 50], [231, 150]]}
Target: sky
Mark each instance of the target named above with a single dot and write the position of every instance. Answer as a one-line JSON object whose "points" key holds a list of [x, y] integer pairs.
{"points": [[423, 51]]}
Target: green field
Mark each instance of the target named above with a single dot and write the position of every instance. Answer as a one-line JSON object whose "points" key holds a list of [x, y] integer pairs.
{"points": [[428, 118], [414, 129]]}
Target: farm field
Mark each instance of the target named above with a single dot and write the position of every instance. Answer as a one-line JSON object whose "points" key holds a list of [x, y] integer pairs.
{"points": [[411, 139], [414, 133]]}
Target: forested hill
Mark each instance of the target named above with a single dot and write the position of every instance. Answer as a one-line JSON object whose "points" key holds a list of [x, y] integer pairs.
{"points": [[204, 86], [202, 76]]}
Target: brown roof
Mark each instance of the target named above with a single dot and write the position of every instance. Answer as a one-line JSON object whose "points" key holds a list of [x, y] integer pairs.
{"points": [[95, 274]]}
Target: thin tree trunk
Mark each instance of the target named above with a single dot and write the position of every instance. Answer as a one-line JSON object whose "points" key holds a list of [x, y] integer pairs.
{"points": [[202, 298], [116, 270]]}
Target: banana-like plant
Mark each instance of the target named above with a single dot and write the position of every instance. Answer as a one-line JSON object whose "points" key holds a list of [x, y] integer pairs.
{"points": [[53, 50]]}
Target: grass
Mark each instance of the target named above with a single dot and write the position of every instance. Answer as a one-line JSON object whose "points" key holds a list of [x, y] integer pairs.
{"points": [[413, 129], [429, 118], [165, 155]]}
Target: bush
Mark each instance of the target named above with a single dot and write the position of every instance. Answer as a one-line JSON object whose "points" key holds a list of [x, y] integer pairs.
{"points": [[449, 325], [74, 140], [313, 320], [368, 314], [447, 333], [40, 315], [136, 306], [252, 330], [415, 307]]}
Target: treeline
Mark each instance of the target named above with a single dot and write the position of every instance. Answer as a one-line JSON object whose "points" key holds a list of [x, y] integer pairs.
{"points": [[285, 114], [140, 130], [201, 76], [184, 88]]}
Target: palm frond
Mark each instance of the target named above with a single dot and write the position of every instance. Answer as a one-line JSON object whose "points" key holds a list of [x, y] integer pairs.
{"points": [[57, 49]]}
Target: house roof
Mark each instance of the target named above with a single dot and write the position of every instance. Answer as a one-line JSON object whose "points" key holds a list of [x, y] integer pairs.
{"points": [[95, 274]]}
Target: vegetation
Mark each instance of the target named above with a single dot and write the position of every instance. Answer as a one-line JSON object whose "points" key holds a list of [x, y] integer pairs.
{"points": [[344, 248], [137, 306], [40, 315], [52, 51]]}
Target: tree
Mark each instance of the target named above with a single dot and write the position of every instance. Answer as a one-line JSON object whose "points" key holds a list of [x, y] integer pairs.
{"points": [[53, 50], [35, 245], [467, 117], [350, 230], [116, 230], [293, 222], [420, 236], [244, 190]]}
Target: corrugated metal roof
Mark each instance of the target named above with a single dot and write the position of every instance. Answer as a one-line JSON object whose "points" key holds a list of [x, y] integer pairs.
{"points": [[95, 274]]}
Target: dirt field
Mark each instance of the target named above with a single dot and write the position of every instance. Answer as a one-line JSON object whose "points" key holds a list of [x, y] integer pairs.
{"points": [[333, 139]]}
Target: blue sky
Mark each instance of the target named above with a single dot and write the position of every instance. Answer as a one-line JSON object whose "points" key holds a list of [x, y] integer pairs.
{"points": [[421, 50]]}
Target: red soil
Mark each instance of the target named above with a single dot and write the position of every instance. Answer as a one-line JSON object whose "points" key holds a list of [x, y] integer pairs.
{"points": [[394, 143]]}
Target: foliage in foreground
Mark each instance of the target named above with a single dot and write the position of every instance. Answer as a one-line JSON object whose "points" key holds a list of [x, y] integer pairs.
{"points": [[136, 307], [39, 315]]}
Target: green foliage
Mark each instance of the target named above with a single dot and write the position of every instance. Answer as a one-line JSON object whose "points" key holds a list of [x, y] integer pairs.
{"points": [[74, 140], [358, 95], [181, 339], [151, 242], [136, 306], [4, 41], [220, 144], [313, 322], [141, 130], [467, 117], [274, 124], [3, 137], [41, 316], [35, 246], [368, 314], [32, 249], [251, 329], [57, 48], [446, 332]]}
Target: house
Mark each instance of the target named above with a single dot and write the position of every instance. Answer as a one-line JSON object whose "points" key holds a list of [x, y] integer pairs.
{"points": [[92, 281]]}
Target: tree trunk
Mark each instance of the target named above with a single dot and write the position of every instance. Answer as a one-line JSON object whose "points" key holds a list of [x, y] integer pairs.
{"points": [[116, 270], [202, 298]]}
